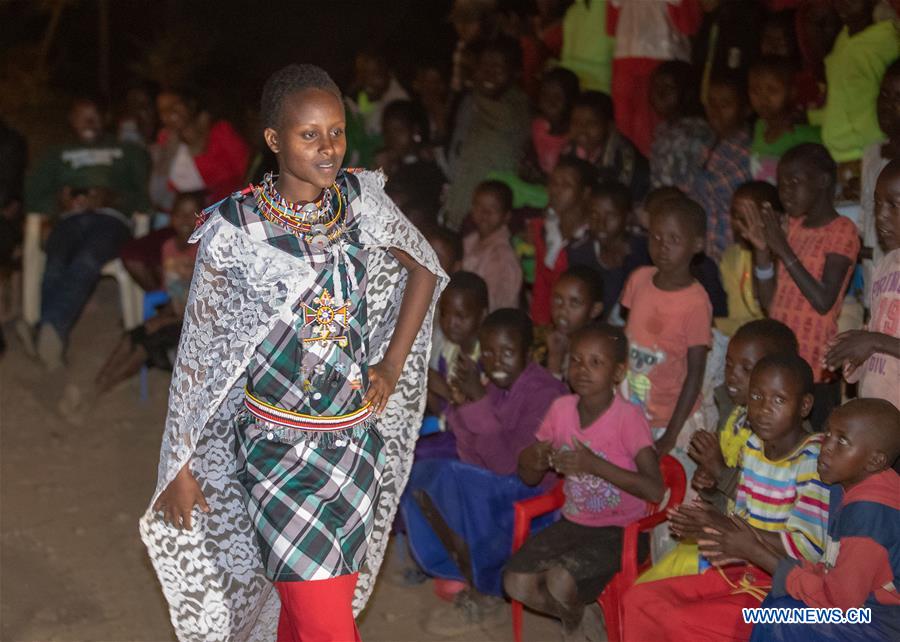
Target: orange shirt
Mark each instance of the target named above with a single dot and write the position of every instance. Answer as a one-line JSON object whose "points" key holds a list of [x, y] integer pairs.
{"points": [[789, 306], [661, 327]]}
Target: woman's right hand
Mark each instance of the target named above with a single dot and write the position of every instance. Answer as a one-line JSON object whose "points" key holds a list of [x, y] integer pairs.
{"points": [[177, 501]]}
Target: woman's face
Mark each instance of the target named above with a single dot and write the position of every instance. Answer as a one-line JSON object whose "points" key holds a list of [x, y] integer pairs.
{"points": [[309, 142]]}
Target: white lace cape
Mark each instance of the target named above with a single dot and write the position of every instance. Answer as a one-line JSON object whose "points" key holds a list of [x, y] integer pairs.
{"points": [[212, 575]]}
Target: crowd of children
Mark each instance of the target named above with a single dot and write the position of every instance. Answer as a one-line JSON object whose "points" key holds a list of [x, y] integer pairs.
{"points": [[655, 248]]}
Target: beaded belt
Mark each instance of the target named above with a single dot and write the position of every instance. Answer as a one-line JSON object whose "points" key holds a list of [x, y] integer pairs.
{"points": [[290, 419]]}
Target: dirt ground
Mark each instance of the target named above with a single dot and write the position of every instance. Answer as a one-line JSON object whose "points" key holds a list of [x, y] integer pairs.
{"points": [[72, 566]]}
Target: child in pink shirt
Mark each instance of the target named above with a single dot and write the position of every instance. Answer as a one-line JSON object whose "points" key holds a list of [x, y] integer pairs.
{"points": [[602, 446], [669, 327], [487, 251]]}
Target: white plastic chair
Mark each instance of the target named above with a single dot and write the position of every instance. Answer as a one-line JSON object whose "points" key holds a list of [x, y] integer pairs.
{"points": [[131, 296]]}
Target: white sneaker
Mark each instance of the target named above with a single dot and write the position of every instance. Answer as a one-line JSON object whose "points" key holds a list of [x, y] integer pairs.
{"points": [[49, 347]]}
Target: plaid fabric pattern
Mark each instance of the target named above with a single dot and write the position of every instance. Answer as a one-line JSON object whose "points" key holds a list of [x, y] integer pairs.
{"points": [[290, 369], [311, 495], [677, 151], [727, 165], [312, 507]]}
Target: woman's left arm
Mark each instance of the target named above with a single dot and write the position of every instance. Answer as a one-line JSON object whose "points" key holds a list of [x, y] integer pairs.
{"points": [[417, 298]]}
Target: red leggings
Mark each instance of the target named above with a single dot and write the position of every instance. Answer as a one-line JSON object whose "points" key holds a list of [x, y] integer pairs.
{"points": [[318, 610]]}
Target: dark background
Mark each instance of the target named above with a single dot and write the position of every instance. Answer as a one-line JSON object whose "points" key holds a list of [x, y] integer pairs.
{"points": [[222, 49]]}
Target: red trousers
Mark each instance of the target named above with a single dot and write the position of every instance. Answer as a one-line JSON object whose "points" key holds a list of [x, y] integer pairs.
{"points": [[631, 100], [318, 610], [700, 608]]}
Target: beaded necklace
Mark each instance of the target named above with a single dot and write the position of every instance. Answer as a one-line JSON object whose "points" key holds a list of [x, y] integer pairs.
{"points": [[318, 223]]}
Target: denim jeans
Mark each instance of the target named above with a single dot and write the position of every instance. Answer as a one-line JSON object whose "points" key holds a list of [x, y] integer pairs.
{"points": [[77, 249]]}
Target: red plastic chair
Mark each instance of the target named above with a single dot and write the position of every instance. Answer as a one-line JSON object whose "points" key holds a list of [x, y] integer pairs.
{"points": [[610, 600]]}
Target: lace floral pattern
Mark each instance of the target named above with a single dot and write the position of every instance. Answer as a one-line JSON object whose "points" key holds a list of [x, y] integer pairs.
{"points": [[212, 575]]}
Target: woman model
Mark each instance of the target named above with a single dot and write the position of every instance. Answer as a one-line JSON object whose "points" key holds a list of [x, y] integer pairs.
{"points": [[297, 391]]}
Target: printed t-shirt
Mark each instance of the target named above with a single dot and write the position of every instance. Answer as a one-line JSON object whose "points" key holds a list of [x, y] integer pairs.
{"points": [[881, 372], [791, 307], [661, 327], [617, 435]]}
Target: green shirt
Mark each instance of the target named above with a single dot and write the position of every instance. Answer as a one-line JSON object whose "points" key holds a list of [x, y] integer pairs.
{"points": [[854, 69], [764, 156], [587, 49], [124, 168]]}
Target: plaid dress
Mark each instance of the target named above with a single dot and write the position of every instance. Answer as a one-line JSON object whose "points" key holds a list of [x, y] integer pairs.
{"points": [[311, 494]]}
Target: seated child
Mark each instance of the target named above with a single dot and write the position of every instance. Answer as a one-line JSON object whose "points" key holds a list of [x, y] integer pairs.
{"points": [[463, 306], [859, 568], [719, 460], [815, 261], [563, 222], [779, 37], [610, 249], [549, 127], [491, 125], [577, 300], [853, 72], [872, 356], [601, 444], [669, 319], [736, 265], [647, 32], [594, 138], [431, 88], [718, 456], [374, 87], [780, 500], [153, 343], [448, 247], [726, 162], [487, 251], [777, 130], [459, 514], [404, 130], [682, 134]]}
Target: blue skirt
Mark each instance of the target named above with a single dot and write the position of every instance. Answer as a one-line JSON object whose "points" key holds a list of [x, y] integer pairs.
{"points": [[478, 506]]}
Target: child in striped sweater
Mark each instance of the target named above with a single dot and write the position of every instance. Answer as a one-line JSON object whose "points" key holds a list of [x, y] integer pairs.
{"points": [[779, 498], [861, 565]]}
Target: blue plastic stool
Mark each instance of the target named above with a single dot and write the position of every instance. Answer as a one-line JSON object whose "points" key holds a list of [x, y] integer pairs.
{"points": [[152, 300]]}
